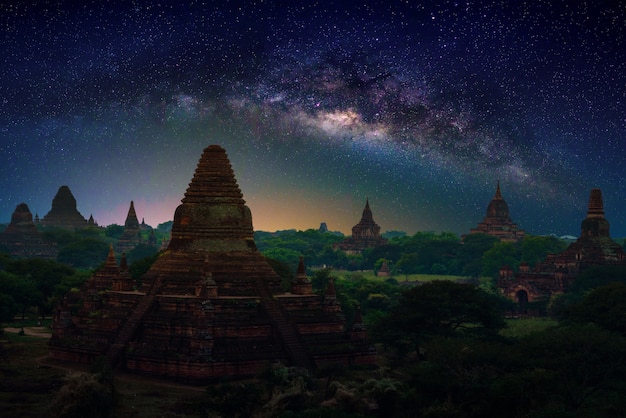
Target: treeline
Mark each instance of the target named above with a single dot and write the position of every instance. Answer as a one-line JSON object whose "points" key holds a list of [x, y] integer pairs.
{"points": [[39, 284], [423, 253]]}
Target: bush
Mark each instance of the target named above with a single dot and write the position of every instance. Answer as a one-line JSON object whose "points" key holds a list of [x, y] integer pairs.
{"points": [[83, 395]]}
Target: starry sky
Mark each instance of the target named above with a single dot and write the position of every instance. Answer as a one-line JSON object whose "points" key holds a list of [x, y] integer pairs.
{"points": [[420, 106]]}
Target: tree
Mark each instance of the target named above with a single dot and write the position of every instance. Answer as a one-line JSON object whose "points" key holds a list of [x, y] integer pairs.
{"points": [[604, 306], [8, 308], [86, 253], [46, 275], [442, 308], [469, 255], [500, 254], [536, 248]]}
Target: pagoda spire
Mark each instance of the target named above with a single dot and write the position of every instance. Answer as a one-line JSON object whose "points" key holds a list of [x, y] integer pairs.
{"points": [[498, 194], [110, 261], [131, 219], [596, 206], [367, 212]]}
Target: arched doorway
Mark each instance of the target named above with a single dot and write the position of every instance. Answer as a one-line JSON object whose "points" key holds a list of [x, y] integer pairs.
{"points": [[522, 301]]}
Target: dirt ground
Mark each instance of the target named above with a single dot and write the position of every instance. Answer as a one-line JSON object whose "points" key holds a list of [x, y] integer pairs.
{"points": [[42, 332]]}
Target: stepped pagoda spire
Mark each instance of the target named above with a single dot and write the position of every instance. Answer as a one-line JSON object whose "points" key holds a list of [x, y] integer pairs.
{"points": [[595, 224], [213, 214], [131, 218]]}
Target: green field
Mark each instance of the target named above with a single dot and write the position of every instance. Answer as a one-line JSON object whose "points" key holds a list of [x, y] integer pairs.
{"points": [[369, 274]]}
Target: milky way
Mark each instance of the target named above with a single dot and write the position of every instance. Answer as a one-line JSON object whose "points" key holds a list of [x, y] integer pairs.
{"points": [[419, 107]]}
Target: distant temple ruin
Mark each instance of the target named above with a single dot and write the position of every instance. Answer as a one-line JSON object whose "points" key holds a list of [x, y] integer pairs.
{"points": [[22, 239], [556, 273], [131, 237], [64, 213], [497, 222], [210, 306], [365, 234]]}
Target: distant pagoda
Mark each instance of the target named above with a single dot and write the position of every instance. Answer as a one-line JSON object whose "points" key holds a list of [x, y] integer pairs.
{"points": [[64, 213], [497, 222], [22, 239], [554, 275], [210, 306], [131, 237], [365, 234]]}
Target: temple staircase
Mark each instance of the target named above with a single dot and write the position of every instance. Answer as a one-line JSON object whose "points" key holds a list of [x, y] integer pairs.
{"points": [[298, 354], [128, 330]]}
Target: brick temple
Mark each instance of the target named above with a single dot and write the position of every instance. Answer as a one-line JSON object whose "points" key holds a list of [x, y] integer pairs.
{"points": [[497, 222], [63, 213], [131, 237], [554, 275], [365, 234], [22, 239], [210, 306]]}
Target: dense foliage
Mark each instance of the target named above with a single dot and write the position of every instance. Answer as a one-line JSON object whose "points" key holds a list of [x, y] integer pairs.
{"points": [[423, 253]]}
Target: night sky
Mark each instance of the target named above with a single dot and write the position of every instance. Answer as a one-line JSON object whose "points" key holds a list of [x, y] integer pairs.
{"points": [[419, 106]]}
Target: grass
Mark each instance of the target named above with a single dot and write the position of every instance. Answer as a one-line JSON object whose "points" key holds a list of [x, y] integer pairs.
{"points": [[369, 275], [29, 381], [517, 328], [26, 387]]}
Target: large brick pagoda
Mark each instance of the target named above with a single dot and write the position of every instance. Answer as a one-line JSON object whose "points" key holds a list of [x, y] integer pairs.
{"points": [[210, 306]]}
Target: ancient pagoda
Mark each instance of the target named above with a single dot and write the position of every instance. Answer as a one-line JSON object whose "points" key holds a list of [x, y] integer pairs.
{"points": [[497, 221], [210, 306], [64, 213], [555, 274], [365, 234], [22, 239], [131, 237]]}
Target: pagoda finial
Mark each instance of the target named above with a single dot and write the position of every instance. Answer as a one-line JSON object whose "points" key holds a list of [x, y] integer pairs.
{"points": [[498, 194], [301, 270], [330, 290], [124, 263]]}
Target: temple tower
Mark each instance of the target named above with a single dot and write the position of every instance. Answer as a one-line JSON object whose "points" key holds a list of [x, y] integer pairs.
{"points": [[64, 213], [365, 234], [23, 240], [497, 221], [132, 232]]}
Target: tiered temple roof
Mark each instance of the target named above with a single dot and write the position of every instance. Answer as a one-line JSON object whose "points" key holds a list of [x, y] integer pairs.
{"points": [[210, 306], [365, 234], [497, 221], [556, 273], [64, 213], [22, 239], [132, 232]]}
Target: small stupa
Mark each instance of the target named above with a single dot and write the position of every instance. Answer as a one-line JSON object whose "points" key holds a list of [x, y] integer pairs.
{"points": [[210, 306]]}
